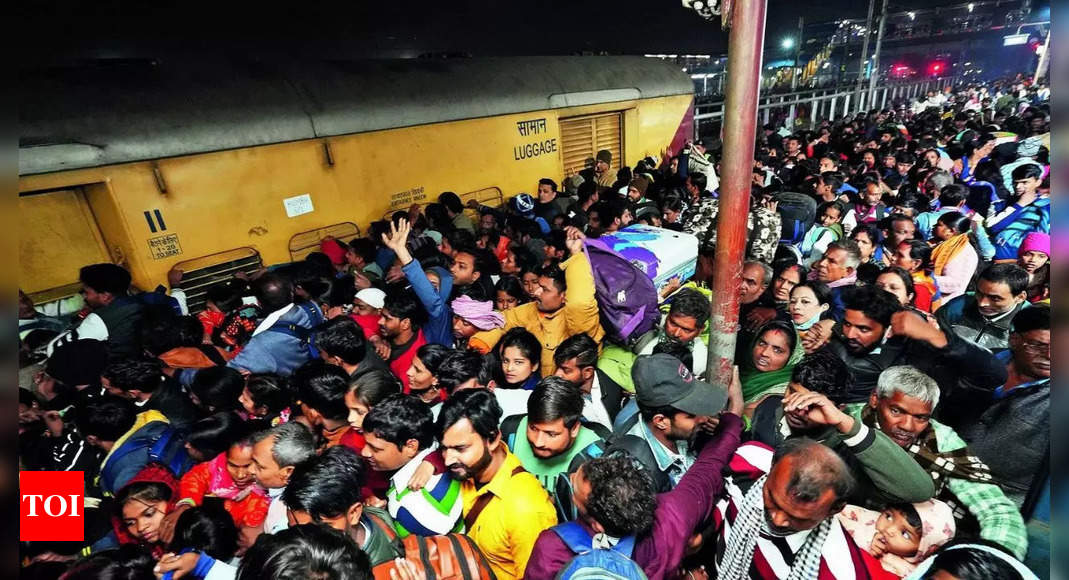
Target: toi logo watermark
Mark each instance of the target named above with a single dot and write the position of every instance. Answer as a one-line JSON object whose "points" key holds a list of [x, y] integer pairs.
{"points": [[51, 506]]}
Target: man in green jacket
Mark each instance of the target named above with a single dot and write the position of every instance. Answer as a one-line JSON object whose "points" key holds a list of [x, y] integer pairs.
{"points": [[551, 440], [901, 406], [810, 408]]}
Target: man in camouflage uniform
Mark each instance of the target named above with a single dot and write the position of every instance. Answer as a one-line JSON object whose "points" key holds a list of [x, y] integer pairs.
{"points": [[763, 225]]}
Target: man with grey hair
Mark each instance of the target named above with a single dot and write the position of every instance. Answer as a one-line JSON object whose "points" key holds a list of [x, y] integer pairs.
{"points": [[275, 453], [778, 517], [936, 181], [838, 269], [901, 407]]}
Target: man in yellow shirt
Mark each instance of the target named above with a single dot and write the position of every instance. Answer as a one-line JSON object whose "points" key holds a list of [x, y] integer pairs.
{"points": [[505, 508], [563, 306]]}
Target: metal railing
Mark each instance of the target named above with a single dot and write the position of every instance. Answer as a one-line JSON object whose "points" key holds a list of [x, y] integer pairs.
{"points": [[823, 103]]}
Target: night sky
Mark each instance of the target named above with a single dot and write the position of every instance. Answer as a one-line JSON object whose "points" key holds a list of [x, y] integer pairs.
{"points": [[117, 29]]}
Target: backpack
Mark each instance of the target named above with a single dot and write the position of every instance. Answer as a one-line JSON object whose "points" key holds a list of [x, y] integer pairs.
{"points": [[166, 448], [798, 212], [448, 557], [613, 564], [305, 335], [627, 299]]}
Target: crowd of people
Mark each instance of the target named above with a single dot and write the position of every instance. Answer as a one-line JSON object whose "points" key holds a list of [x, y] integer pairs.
{"points": [[452, 376]]}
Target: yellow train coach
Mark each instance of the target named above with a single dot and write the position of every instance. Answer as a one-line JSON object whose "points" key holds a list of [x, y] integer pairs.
{"points": [[223, 166]]}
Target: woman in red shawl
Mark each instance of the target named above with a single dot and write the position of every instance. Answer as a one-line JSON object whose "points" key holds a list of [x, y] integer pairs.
{"points": [[141, 506]]}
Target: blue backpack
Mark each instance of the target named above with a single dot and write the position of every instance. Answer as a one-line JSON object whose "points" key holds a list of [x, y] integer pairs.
{"points": [[305, 335], [627, 299], [611, 564]]}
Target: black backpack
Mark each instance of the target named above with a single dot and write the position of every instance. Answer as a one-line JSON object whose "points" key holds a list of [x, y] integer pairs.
{"points": [[798, 211]]}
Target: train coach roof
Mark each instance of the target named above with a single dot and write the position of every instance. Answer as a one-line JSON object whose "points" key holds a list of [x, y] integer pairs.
{"points": [[118, 112]]}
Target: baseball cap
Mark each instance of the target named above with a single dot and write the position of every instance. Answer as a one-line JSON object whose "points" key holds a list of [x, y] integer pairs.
{"points": [[662, 380]]}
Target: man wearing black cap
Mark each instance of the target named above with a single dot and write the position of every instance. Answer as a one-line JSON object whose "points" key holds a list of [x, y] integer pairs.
{"points": [[672, 405]]}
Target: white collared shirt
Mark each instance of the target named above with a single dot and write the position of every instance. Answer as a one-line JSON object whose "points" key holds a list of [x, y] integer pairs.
{"points": [[272, 318], [593, 409]]}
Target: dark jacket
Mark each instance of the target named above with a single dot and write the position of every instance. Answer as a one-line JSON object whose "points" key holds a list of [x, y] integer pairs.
{"points": [[963, 316], [959, 359], [612, 394], [123, 319], [1010, 433], [174, 403]]}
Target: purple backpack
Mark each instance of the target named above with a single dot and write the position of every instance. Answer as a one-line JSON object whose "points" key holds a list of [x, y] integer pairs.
{"points": [[626, 296]]}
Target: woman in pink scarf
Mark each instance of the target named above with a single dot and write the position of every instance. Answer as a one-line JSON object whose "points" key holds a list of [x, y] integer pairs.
{"points": [[902, 535]]}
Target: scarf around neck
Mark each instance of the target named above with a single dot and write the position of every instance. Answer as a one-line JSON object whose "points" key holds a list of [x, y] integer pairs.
{"points": [[942, 465], [756, 383], [742, 541]]}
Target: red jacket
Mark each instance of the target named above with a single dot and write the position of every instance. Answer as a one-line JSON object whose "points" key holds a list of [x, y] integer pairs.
{"points": [[400, 363]]}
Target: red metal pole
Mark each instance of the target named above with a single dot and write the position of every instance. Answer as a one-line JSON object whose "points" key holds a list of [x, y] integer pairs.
{"points": [[745, 44]]}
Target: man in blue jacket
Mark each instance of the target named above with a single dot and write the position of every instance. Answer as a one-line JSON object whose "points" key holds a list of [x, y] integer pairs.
{"points": [[439, 326], [280, 342]]}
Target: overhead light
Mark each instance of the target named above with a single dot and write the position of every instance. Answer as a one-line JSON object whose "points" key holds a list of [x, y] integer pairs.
{"points": [[971, 6], [787, 42]]}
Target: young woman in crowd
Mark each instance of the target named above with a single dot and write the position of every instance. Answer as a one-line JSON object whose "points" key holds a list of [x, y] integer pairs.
{"points": [[810, 303], [509, 293], [954, 259], [915, 256], [366, 391], [520, 354], [1034, 257], [422, 375], [267, 397], [141, 506], [899, 282]]}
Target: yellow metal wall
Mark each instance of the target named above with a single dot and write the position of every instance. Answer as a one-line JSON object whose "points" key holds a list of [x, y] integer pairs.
{"points": [[218, 201]]}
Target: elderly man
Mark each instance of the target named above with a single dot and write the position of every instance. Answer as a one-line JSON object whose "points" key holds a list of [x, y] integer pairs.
{"points": [[901, 407], [838, 269], [778, 517]]}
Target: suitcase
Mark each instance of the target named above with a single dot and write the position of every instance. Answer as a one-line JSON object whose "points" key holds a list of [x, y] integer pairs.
{"points": [[662, 254]]}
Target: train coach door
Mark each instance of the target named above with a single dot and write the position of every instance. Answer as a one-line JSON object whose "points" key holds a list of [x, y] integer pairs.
{"points": [[582, 138], [57, 236]]}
